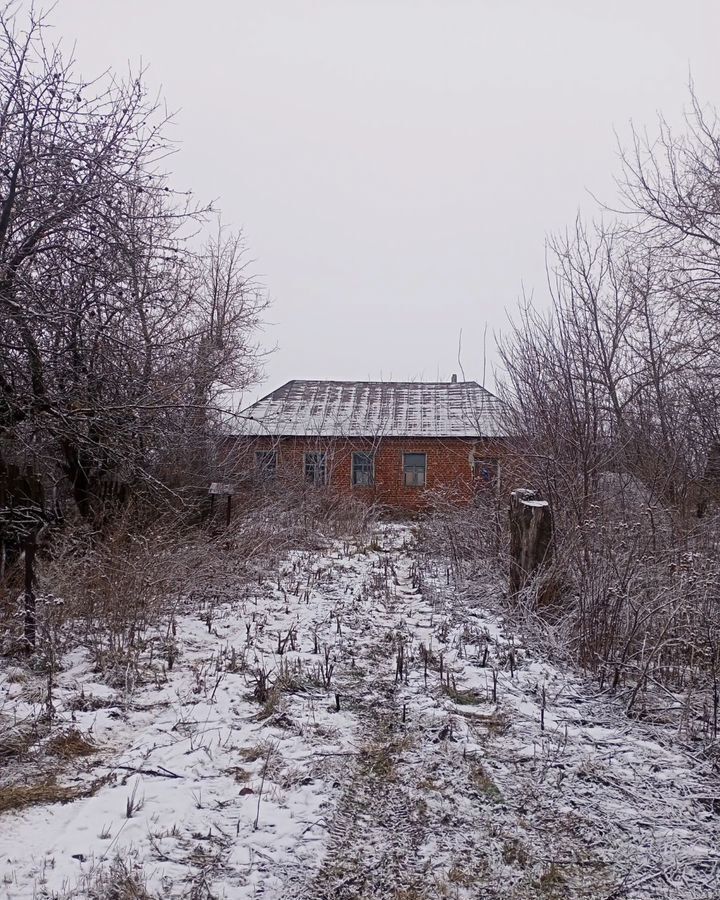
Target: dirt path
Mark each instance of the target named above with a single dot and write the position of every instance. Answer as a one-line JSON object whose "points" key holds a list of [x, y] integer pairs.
{"points": [[460, 764], [455, 794], [381, 824]]}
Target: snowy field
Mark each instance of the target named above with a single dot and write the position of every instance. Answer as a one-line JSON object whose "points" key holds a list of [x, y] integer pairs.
{"points": [[350, 725]]}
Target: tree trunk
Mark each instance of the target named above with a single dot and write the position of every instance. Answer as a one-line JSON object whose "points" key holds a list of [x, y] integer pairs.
{"points": [[530, 536]]}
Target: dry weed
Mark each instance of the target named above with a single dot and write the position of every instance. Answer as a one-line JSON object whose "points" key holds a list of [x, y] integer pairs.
{"points": [[70, 744], [254, 753], [20, 796], [16, 740], [482, 780], [462, 697], [119, 882]]}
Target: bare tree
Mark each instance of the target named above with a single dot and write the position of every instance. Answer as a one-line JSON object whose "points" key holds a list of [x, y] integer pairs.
{"points": [[115, 332], [615, 392]]}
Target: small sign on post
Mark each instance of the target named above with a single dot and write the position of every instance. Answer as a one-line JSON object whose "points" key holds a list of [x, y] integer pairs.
{"points": [[222, 489]]}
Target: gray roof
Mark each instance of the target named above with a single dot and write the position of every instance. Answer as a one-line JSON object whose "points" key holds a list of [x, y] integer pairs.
{"points": [[375, 409]]}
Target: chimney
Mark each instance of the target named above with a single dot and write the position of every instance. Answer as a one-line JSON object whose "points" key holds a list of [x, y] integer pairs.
{"points": [[453, 379]]}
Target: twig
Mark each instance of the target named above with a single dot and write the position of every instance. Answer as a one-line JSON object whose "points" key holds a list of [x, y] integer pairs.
{"points": [[160, 772], [262, 785]]}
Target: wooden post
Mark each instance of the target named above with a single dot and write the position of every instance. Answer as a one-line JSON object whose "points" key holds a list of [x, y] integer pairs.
{"points": [[220, 489], [530, 536], [30, 613]]}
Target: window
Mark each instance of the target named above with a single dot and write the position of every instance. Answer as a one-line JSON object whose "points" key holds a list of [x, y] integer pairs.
{"points": [[485, 472], [414, 466], [266, 463], [316, 468], [363, 466]]}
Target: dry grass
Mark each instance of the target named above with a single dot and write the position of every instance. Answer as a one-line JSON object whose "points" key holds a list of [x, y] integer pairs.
{"points": [[119, 882], [256, 752], [497, 723], [287, 682], [463, 697], [16, 740], [552, 883], [270, 706], [380, 759], [20, 796], [459, 874], [16, 676], [484, 783], [70, 744], [381, 764], [514, 853]]}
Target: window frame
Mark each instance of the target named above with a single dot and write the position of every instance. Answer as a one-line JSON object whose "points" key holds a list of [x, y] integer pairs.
{"points": [[369, 454], [405, 470], [266, 473], [325, 470]]}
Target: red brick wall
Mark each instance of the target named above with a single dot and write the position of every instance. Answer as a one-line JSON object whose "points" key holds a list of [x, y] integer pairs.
{"points": [[449, 464]]}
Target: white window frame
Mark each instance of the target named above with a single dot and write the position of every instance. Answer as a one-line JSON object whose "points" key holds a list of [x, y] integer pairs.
{"points": [[405, 472], [366, 453], [325, 473]]}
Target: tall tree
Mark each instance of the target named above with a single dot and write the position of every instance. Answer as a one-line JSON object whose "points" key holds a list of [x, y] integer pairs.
{"points": [[112, 325]]}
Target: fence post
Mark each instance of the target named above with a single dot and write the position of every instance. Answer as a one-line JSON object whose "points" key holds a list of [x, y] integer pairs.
{"points": [[30, 612]]}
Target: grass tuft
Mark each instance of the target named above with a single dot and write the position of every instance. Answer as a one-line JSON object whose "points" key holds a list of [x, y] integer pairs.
{"points": [[15, 741], [120, 882], [19, 796], [463, 698], [70, 744]]}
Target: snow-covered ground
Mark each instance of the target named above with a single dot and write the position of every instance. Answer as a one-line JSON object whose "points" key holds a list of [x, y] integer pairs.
{"points": [[410, 746]]}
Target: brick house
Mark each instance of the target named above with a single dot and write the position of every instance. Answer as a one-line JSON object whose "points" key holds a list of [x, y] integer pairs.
{"points": [[386, 441]]}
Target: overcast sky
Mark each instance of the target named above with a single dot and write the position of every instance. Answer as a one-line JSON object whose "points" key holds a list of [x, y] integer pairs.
{"points": [[395, 165]]}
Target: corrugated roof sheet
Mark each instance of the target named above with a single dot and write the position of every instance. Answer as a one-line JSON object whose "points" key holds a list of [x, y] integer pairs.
{"points": [[376, 409]]}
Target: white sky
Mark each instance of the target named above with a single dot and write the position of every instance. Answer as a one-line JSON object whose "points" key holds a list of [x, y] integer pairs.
{"points": [[396, 164]]}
